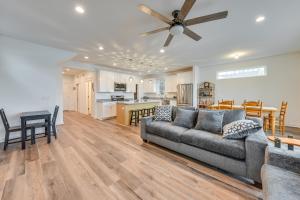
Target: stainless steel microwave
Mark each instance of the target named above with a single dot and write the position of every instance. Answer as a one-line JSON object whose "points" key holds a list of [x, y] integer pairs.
{"points": [[120, 87]]}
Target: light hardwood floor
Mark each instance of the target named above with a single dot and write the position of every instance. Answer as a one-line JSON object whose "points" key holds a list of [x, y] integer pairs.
{"points": [[94, 159]]}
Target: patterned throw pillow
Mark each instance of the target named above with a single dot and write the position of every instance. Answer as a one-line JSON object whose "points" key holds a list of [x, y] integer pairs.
{"points": [[240, 129], [163, 113]]}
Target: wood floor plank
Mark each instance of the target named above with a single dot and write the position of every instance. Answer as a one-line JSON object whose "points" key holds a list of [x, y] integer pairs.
{"points": [[94, 159]]}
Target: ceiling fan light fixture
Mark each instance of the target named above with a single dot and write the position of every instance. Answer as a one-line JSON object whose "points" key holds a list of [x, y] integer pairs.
{"points": [[176, 29]]}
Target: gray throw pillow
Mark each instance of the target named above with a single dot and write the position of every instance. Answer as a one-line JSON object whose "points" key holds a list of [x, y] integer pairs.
{"points": [[240, 129], [232, 116], [210, 120], [163, 113], [174, 109], [185, 118]]}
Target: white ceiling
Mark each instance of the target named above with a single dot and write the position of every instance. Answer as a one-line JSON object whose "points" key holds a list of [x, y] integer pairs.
{"points": [[116, 25], [72, 71]]}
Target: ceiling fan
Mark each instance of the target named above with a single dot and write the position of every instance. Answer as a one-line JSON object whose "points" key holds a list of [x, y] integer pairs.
{"points": [[179, 25]]}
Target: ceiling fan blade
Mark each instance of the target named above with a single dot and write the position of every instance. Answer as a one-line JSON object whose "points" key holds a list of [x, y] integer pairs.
{"points": [[170, 37], [185, 9], [191, 34], [155, 14], [155, 31], [206, 18]]}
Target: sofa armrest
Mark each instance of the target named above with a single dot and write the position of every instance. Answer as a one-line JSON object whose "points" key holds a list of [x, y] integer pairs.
{"points": [[255, 145], [257, 120], [144, 122], [289, 160]]}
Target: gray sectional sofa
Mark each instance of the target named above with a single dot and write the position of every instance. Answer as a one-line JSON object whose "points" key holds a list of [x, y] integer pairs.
{"points": [[281, 174], [240, 157]]}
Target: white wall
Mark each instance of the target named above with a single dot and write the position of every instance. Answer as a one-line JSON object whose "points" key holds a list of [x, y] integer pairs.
{"points": [[281, 83], [30, 78]]}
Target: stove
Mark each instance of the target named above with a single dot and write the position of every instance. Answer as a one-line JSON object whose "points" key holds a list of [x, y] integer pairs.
{"points": [[117, 97]]}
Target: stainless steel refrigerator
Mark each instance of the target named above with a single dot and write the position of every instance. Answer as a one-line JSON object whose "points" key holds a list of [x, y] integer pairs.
{"points": [[185, 95]]}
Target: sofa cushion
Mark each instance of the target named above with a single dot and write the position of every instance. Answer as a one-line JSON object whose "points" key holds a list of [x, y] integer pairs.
{"points": [[233, 115], [185, 118], [174, 109], [166, 130], [214, 143], [163, 113], [279, 183], [210, 120]]}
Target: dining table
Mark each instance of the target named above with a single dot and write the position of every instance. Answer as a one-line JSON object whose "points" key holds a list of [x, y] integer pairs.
{"points": [[35, 115], [271, 111]]}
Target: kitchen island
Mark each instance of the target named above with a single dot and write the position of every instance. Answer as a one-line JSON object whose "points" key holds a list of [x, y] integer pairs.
{"points": [[124, 107]]}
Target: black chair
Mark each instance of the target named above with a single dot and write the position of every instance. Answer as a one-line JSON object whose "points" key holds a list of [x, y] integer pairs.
{"points": [[44, 125], [9, 129]]}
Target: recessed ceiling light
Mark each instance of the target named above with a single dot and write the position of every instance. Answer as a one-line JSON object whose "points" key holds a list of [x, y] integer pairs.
{"points": [[166, 68], [236, 56], [67, 69], [162, 51], [101, 48], [260, 19], [86, 57], [63, 72], [142, 81], [79, 9], [114, 64]]}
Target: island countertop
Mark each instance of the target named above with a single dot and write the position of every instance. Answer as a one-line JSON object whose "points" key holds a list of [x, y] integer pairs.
{"points": [[138, 102]]}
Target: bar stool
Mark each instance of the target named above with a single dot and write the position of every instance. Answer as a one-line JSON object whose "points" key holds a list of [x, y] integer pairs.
{"points": [[141, 114], [147, 112], [152, 111], [134, 117]]}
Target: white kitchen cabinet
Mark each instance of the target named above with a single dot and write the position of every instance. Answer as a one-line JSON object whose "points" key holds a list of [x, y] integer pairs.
{"points": [[107, 110], [171, 83], [150, 85], [121, 78], [131, 83], [185, 78], [106, 81]]}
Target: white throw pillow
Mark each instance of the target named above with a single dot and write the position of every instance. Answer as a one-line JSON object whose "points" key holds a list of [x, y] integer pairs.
{"points": [[163, 113], [240, 129]]}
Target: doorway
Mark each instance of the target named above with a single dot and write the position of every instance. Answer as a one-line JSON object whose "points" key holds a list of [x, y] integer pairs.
{"points": [[79, 94]]}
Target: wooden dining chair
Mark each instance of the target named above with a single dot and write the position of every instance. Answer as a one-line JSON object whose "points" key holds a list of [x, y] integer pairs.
{"points": [[253, 108], [280, 121], [10, 129], [44, 124], [225, 104]]}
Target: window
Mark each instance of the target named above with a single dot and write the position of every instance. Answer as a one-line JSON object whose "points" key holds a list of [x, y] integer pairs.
{"points": [[243, 73]]}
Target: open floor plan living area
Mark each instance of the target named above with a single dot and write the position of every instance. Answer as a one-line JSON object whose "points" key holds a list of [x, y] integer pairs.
{"points": [[149, 100]]}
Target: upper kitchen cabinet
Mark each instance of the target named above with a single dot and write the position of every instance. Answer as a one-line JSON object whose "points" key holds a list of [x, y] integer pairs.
{"points": [[121, 78], [185, 78], [106, 80], [150, 85], [131, 82], [171, 83]]}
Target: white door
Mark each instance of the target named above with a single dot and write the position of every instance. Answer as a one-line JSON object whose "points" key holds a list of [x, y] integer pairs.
{"points": [[69, 96]]}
